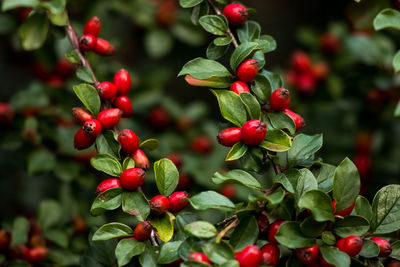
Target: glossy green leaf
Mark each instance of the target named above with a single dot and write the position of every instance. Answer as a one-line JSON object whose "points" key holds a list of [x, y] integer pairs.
{"points": [[215, 52], [199, 11], [135, 203], [201, 68], [277, 141], [395, 250], [150, 144], [311, 228], [241, 53], [40, 161], [165, 226], [319, 203], [211, 200], [245, 233], [107, 164], [396, 67], [72, 56], [276, 197], [236, 152], [85, 74], [280, 120], [128, 248], [261, 88], [89, 97], [267, 43], [370, 249], [108, 200], [214, 24], [329, 238], [290, 235], [397, 110], [112, 230], [387, 18], [222, 41], [107, 143], [201, 229], [231, 106], [128, 163], [252, 106], [275, 80], [306, 182], [149, 256], [218, 253], [213, 82], [288, 179], [166, 175], [351, 225], [249, 31], [363, 208], [60, 19], [12, 4], [19, 231], [386, 210], [50, 214], [237, 176], [334, 256], [33, 31], [189, 3], [169, 252], [303, 147]]}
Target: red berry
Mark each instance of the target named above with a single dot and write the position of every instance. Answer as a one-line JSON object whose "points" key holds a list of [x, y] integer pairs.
{"points": [[263, 223], [20, 252], [301, 61], [324, 263], [320, 70], [142, 231], [87, 42], [228, 191], [123, 81], [394, 264], [329, 43], [38, 254], [82, 141], [159, 204], [79, 224], [202, 145], [37, 241], [64, 68], [351, 245], [229, 137], [92, 128], [344, 212], [109, 118], [363, 164], [81, 115], [132, 178], [108, 184], [103, 47], [308, 255], [385, 248], [6, 113], [5, 240], [124, 104], [177, 201], [128, 140], [253, 132], [92, 26], [250, 256], [184, 182], [239, 87], [198, 256], [176, 159], [273, 229], [107, 91], [306, 83], [280, 99], [140, 159], [236, 14], [248, 70], [159, 119], [270, 254], [298, 120]]}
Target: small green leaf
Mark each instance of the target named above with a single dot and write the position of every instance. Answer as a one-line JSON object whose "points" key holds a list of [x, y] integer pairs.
{"points": [[199, 11], [73, 57], [189, 3], [241, 53], [218, 253], [334, 256], [288, 179], [395, 250], [54, 6], [236, 152], [306, 182], [370, 249], [201, 229], [213, 82], [50, 214], [319, 203], [128, 248], [201, 68], [252, 106], [239, 177], [216, 52], [150, 144], [231, 106], [261, 88], [165, 226], [166, 175], [289, 234], [346, 184], [158, 43], [329, 238], [396, 66], [108, 200], [19, 231], [107, 143], [169, 252], [280, 120], [135, 203], [89, 97], [214, 24], [249, 31], [211, 200], [351, 225], [12, 4], [33, 31], [304, 147], [84, 74], [40, 161], [222, 41], [128, 163], [386, 210], [363, 208], [112, 230], [311, 228], [397, 110], [387, 18], [267, 43], [107, 164], [245, 233], [277, 141]]}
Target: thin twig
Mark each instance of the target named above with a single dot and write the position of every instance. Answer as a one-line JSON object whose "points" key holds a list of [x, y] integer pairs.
{"points": [[226, 230], [227, 220], [153, 239], [277, 168], [271, 190]]}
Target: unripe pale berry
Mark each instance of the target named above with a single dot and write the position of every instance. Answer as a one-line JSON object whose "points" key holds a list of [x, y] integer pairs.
{"points": [[273, 229], [103, 47], [351, 245], [236, 14], [87, 42], [177, 201], [108, 184], [248, 70], [6, 113], [140, 159], [128, 140], [270, 254], [125, 105], [202, 145], [344, 212], [198, 256], [107, 91], [132, 178], [142, 231], [159, 205], [5, 240], [239, 87], [250, 256], [92, 128], [253, 132], [37, 255], [298, 120], [82, 141], [109, 118], [176, 159], [385, 248], [229, 137], [308, 255], [280, 99], [228, 191], [263, 223], [122, 81], [159, 118], [81, 115], [92, 26]]}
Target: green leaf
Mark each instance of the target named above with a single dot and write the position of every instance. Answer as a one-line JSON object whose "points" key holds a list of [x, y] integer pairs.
{"points": [[214, 24], [236, 152], [112, 230], [304, 147], [370, 249], [245, 233], [387, 18], [215, 52], [290, 235], [199, 11], [59, 237], [276, 197], [59, 19], [150, 144], [346, 184], [261, 87], [135, 203], [218, 253], [166, 175], [211, 200], [267, 43], [249, 31], [128, 163], [395, 250], [288, 179], [277, 141], [239, 177], [40, 161], [280, 120], [54, 6], [85, 74], [363, 208], [386, 210], [274, 79], [12, 4], [33, 31], [252, 106], [107, 164], [213, 82], [158, 43], [201, 68], [128, 248], [50, 214], [72, 57], [201, 229], [89, 97], [329, 238], [396, 66], [311, 228], [231, 106], [230, 263], [189, 3], [107, 143], [222, 41], [334, 256], [165, 226], [351, 225], [306, 182], [169, 252], [241, 53], [319, 203], [149, 256], [19, 231], [108, 200], [397, 110]]}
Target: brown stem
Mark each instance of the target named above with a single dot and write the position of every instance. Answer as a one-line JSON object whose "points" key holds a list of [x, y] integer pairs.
{"points": [[226, 229], [227, 220], [271, 190], [277, 168]]}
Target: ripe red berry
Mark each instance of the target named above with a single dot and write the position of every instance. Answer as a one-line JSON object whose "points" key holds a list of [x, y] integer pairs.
{"points": [[20, 252], [344, 212], [132, 178], [108, 184], [229, 137], [250, 256], [385, 248], [92, 26], [140, 159], [176, 159], [301, 61], [280, 99], [79, 224], [92, 128], [185, 181], [306, 83], [394, 264], [270, 254], [273, 229], [324, 263], [87, 42], [248, 70], [64, 68], [329, 43], [6, 113], [159, 118], [107, 91], [228, 191], [298, 120], [363, 164], [240, 87], [82, 141], [202, 145], [253, 132], [125, 105], [128, 140], [198, 256], [236, 14], [177, 201], [142, 231], [81, 115], [103, 47], [5, 240], [159, 204], [123, 81], [263, 223], [109, 118], [351, 245], [308, 255], [37, 255], [320, 70]]}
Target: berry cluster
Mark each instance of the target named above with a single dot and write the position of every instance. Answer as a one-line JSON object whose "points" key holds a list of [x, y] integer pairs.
{"points": [[57, 76], [90, 40]]}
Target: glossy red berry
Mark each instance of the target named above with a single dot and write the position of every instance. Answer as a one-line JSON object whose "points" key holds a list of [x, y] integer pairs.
{"points": [[236, 14], [178, 201], [198, 256], [263, 223], [385, 248], [344, 212], [123, 81], [125, 105], [159, 118], [273, 229], [108, 184], [6, 113], [329, 43], [103, 47], [308, 255], [81, 115], [306, 83], [270, 254], [140, 159], [142, 231], [132, 178], [82, 141], [107, 91], [128, 140], [351, 245], [248, 70], [253, 132], [20, 252], [301, 61], [87, 42], [109, 118], [92, 128], [92, 26], [38, 254], [202, 145], [159, 205], [280, 99], [5, 240], [240, 87], [250, 256], [228, 191], [229, 137], [298, 120], [176, 159]]}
